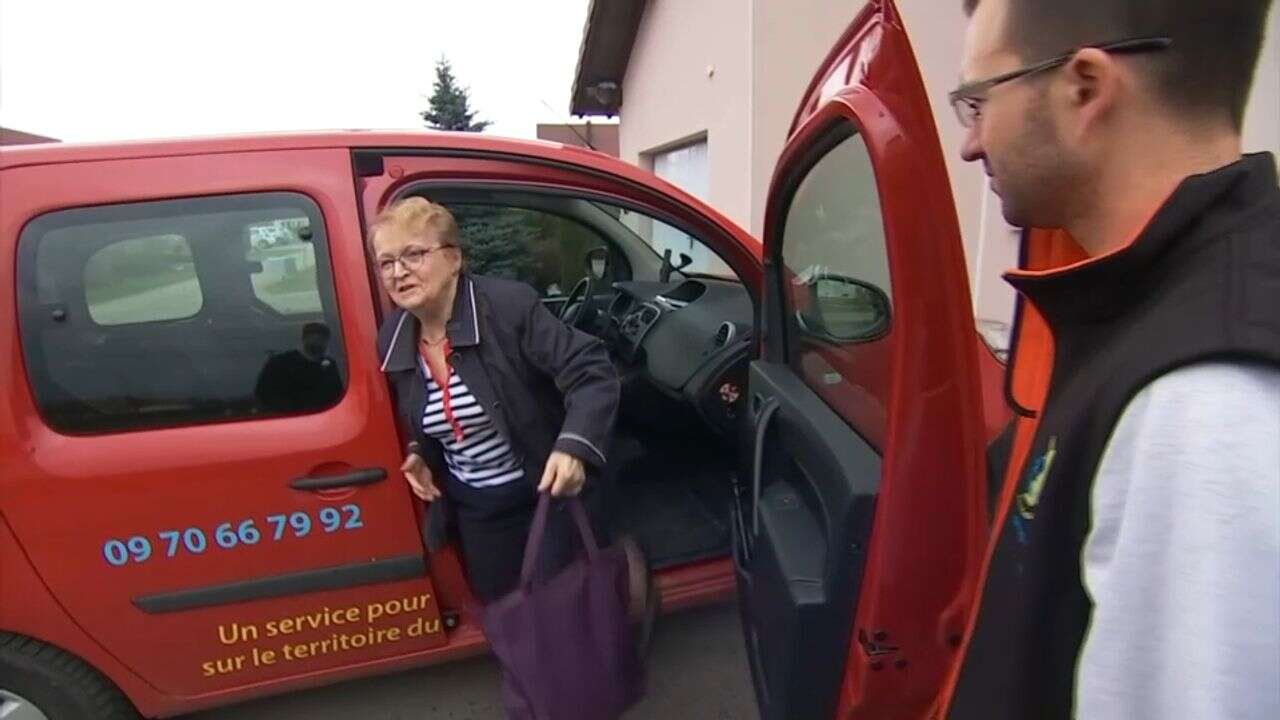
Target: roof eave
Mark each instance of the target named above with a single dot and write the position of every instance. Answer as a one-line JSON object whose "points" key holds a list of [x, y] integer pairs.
{"points": [[607, 40]]}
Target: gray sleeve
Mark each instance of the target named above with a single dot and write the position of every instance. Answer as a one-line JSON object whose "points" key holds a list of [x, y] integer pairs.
{"points": [[1182, 560]]}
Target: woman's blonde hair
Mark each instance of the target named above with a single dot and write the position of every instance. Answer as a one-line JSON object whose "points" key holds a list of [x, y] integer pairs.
{"points": [[417, 216]]}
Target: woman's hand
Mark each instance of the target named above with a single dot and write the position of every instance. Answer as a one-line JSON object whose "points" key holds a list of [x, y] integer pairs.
{"points": [[418, 475], [563, 476]]}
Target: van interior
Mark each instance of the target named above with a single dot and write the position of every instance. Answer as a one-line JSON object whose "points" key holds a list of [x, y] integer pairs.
{"points": [[677, 322]]}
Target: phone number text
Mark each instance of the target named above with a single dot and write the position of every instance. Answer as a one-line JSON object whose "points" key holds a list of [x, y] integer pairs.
{"points": [[230, 535]]}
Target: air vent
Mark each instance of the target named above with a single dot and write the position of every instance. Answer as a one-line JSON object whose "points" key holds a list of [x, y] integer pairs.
{"points": [[725, 334]]}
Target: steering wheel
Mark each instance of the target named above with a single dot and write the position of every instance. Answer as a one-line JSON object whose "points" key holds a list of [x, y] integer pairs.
{"points": [[579, 309]]}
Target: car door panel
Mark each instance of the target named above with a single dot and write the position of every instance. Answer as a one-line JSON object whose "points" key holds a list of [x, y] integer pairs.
{"points": [[809, 514], [910, 395], [180, 548]]}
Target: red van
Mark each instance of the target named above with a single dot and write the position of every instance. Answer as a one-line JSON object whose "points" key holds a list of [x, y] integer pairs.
{"points": [[198, 507]]}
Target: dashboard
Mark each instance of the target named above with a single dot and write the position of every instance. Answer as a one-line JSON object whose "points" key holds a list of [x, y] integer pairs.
{"points": [[689, 340]]}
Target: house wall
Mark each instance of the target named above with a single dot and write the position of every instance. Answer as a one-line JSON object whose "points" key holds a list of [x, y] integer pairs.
{"points": [[764, 53], [788, 41], [688, 77], [602, 136], [1262, 121]]}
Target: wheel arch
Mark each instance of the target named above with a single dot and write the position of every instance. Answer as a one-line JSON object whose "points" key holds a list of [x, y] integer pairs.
{"points": [[27, 608]]}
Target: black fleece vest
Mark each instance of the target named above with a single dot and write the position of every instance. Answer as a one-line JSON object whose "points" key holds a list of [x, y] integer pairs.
{"points": [[1202, 282]]}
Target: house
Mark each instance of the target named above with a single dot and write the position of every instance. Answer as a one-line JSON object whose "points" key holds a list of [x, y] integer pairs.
{"points": [[597, 136], [706, 92], [9, 136]]}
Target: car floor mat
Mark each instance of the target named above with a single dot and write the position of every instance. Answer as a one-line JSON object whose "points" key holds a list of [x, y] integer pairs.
{"points": [[668, 514]]}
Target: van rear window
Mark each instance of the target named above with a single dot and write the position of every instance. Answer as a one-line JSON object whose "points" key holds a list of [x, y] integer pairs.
{"points": [[177, 312]]}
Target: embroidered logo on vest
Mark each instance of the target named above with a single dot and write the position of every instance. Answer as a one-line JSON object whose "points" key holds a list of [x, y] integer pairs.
{"points": [[1029, 499]]}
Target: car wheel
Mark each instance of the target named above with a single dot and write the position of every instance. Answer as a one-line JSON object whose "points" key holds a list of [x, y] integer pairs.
{"points": [[645, 600], [41, 682]]}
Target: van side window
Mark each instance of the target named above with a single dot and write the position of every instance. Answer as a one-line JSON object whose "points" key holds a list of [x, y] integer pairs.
{"points": [[176, 312], [836, 285], [834, 248]]}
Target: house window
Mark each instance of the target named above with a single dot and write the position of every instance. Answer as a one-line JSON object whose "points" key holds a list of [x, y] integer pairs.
{"points": [[687, 168]]}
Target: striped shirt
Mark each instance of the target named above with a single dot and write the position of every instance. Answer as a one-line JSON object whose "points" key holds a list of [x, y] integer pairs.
{"points": [[476, 453]]}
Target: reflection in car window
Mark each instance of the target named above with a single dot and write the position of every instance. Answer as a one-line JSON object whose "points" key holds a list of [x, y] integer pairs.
{"points": [[836, 285], [834, 246], [834, 225], [176, 312]]}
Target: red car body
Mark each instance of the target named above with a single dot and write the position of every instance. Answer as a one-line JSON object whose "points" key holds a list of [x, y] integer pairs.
{"points": [[936, 390]]}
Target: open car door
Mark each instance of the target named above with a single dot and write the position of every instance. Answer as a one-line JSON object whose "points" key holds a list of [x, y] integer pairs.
{"points": [[861, 523]]}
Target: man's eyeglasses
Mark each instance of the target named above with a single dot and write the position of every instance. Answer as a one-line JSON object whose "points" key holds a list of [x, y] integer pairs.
{"points": [[411, 259], [969, 98]]}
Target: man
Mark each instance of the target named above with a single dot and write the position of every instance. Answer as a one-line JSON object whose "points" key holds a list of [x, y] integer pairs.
{"points": [[301, 380], [1134, 566]]}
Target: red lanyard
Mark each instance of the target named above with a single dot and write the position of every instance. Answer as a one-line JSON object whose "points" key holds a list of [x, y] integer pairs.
{"points": [[444, 388]]}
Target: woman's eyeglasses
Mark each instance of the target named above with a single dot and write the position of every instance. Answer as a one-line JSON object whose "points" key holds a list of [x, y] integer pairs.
{"points": [[411, 259], [969, 98]]}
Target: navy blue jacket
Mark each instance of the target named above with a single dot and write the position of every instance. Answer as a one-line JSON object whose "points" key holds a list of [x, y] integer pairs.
{"points": [[545, 385]]}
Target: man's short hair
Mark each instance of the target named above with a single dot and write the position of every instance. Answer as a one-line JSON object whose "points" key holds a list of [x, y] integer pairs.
{"points": [[1206, 73], [316, 328]]}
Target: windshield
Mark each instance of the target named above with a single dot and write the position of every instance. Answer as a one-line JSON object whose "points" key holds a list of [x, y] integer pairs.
{"points": [[657, 237]]}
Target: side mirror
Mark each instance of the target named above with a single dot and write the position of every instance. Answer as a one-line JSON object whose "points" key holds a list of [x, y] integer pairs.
{"points": [[843, 309]]}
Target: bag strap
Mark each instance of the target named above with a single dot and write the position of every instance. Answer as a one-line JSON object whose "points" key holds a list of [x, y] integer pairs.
{"points": [[584, 526], [533, 547]]}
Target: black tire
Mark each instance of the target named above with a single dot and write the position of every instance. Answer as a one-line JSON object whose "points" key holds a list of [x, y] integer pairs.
{"points": [[59, 684], [645, 600]]}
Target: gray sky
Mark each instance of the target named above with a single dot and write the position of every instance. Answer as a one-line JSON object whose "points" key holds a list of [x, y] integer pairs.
{"points": [[83, 70]]}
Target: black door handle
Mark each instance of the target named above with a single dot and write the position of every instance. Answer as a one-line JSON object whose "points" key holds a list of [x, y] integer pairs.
{"points": [[365, 476], [767, 412]]}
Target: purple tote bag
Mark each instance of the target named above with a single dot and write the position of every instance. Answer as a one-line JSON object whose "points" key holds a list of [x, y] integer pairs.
{"points": [[566, 645]]}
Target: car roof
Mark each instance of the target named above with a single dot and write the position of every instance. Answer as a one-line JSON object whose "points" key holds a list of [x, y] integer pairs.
{"points": [[46, 153], [15, 156]]}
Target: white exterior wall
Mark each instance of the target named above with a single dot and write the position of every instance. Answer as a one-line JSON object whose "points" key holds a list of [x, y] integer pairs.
{"points": [[669, 97], [764, 53], [1262, 121], [789, 38]]}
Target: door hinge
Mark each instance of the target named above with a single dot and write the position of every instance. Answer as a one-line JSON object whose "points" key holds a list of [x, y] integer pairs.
{"points": [[879, 651]]}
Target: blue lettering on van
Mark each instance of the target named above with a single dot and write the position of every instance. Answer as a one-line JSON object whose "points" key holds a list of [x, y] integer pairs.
{"points": [[231, 535]]}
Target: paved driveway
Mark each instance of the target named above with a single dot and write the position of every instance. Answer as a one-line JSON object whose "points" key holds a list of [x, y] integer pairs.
{"points": [[697, 670]]}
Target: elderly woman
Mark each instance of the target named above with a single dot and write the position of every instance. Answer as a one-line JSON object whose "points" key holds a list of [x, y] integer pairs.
{"points": [[502, 401]]}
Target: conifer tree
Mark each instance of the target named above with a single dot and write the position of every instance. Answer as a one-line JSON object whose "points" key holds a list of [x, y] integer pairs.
{"points": [[449, 107]]}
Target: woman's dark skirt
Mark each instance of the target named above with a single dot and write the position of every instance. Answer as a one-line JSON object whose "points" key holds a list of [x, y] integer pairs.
{"points": [[492, 526]]}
